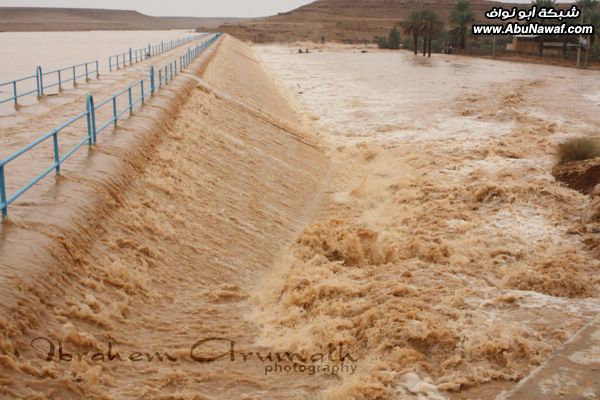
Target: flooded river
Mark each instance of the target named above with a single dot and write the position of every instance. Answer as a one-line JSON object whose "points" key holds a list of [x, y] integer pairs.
{"points": [[22, 52], [334, 225]]}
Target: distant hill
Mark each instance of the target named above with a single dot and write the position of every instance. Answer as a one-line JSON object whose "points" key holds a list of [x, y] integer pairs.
{"points": [[344, 20], [19, 19]]}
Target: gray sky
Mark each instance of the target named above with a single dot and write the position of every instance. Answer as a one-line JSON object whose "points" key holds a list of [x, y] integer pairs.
{"points": [[192, 8]]}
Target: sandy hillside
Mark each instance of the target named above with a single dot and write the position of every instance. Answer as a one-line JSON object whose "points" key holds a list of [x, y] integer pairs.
{"points": [[346, 21], [24, 19]]}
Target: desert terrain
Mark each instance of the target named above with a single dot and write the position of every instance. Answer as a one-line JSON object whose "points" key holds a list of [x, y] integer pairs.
{"points": [[343, 21], [37, 19]]}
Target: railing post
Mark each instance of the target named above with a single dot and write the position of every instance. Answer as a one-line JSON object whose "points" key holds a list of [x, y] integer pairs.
{"points": [[149, 49], [59, 82], [74, 77], [91, 120], [3, 204], [97, 70], [15, 93], [152, 80], [56, 154], [40, 81], [94, 132], [130, 101], [110, 63], [114, 106], [142, 90], [130, 55], [86, 73]]}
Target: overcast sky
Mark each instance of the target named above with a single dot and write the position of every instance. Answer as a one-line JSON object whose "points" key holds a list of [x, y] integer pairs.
{"points": [[191, 8]]}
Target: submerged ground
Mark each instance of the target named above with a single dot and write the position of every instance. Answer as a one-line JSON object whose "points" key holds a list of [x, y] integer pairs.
{"points": [[392, 212], [444, 245]]}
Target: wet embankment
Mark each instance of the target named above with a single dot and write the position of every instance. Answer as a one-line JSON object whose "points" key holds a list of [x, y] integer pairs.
{"points": [[156, 243]]}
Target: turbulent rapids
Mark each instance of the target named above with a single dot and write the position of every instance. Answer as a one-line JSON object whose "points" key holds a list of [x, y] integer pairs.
{"points": [[292, 226]]}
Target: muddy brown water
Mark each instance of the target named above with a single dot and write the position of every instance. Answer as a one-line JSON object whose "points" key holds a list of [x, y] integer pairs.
{"points": [[394, 212]]}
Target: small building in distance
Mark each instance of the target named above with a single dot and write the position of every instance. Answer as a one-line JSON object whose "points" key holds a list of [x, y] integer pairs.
{"points": [[542, 44], [525, 44]]}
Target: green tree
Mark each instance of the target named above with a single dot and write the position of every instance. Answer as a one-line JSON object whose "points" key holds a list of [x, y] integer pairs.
{"points": [[431, 26], [412, 26], [393, 41], [461, 18]]}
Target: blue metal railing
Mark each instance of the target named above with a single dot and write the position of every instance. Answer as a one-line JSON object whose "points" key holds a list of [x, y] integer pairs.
{"points": [[57, 78], [66, 75], [133, 56], [145, 87]]}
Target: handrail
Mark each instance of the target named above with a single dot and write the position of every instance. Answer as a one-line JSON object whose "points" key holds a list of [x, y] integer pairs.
{"points": [[132, 56], [147, 82], [78, 71]]}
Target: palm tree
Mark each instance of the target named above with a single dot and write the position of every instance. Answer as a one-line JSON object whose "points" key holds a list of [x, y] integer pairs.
{"points": [[412, 26], [431, 26], [462, 16]]}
